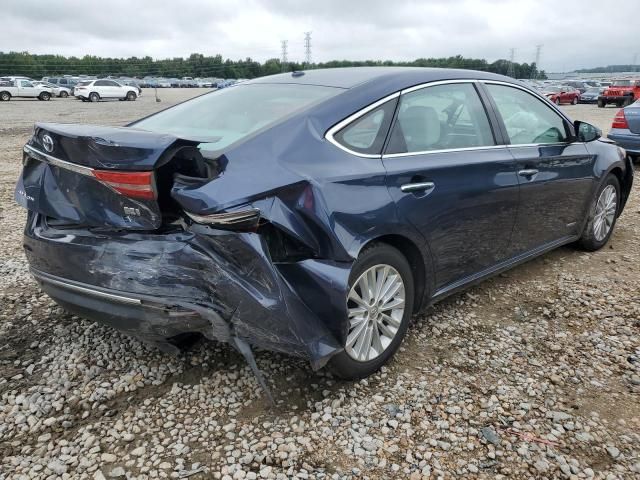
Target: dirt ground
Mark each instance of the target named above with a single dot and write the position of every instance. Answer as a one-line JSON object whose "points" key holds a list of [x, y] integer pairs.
{"points": [[532, 374]]}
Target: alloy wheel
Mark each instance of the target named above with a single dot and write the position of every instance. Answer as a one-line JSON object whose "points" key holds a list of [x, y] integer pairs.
{"points": [[376, 304], [605, 213]]}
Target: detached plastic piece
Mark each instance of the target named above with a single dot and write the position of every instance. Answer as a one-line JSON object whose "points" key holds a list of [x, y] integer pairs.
{"points": [[244, 348]]}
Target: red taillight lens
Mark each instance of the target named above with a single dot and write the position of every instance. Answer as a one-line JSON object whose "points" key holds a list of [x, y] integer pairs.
{"points": [[131, 184], [620, 121]]}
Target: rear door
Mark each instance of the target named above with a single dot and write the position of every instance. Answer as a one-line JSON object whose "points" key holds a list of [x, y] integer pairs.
{"points": [[450, 177], [556, 175]]}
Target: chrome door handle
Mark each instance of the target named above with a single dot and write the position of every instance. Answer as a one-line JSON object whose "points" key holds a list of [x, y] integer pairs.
{"points": [[530, 172], [418, 187]]}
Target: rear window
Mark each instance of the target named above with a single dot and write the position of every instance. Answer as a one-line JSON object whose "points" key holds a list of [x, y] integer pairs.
{"points": [[233, 114]]}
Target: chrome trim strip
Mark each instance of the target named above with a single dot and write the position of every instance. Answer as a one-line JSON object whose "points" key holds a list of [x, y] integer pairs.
{"points": [[340, 125], [85, 290], [438, 82], [87, 171], [444, 150]]}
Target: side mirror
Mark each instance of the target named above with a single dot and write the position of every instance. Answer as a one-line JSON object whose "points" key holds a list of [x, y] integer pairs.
{"points": [[585, 132]]}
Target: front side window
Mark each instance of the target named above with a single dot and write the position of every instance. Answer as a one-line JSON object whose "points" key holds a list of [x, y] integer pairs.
{"points": [[441, 117], [25, 83], [528, 120], [233, 114], [367, 133]]}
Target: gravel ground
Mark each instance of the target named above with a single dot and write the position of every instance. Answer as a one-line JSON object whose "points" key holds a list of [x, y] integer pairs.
{"points": [[533, 374]]}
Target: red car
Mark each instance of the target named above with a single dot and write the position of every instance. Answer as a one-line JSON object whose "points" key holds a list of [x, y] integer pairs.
{"points": [[559, 95], [623, 92]]}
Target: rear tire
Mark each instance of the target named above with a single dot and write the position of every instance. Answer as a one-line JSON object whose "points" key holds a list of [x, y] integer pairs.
{"points": [[5, 96], [94, 97], [382, 324], [603, 213]]}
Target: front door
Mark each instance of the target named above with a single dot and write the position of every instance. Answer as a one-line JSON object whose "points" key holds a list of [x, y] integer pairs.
{"points": [[450, 179], [27, 89], [556, 175]]}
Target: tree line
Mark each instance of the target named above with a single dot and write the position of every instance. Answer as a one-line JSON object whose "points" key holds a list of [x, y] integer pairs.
{"points": [[611, 68], [198, 65]]}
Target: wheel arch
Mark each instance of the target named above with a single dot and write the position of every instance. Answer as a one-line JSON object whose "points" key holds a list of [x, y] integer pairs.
{"points": [[418, 261]]}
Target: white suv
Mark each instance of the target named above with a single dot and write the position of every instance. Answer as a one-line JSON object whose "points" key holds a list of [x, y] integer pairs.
{"points": [[95, 90]]}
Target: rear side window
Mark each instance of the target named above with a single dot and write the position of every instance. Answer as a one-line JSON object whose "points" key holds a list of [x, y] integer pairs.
{"points": [[367, 133], [528, 120], [440, 117], [233, 114]]}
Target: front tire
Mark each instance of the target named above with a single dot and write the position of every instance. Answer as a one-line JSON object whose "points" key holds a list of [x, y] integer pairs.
{"points": [[603, 214], [63, 94], [557, 101], [574, 101], [44, 96], [131, 96], [379, 304], [601, 104]]}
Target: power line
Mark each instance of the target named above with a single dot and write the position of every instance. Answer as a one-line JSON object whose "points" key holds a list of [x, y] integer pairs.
{"points": [[511, 70], [284, 60], [538, 53], [307, 48]]}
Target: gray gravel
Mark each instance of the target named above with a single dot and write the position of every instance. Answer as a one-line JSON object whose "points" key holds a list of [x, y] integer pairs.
{"points": [[533, 374]]}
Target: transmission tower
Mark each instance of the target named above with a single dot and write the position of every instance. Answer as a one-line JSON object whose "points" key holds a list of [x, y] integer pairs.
{"points": [[307, 49], [538, 53], [284, 60], [511, 71]]}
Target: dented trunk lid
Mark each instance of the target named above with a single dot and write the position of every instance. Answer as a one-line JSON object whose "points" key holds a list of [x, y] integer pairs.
{"points": [[97, 176]]}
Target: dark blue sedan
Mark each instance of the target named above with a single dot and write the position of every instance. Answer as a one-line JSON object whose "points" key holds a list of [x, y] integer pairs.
{"points": [[311, 213]]}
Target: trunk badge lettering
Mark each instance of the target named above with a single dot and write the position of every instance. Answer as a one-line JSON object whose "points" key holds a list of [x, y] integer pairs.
{"points": [[134, 212], [47, 143]]}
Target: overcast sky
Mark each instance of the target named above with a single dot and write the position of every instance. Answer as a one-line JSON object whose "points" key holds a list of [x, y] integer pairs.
{"points": [[575, 33]]}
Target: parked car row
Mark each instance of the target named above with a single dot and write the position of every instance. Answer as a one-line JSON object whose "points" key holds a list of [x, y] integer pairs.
{"points": [[619, 91]]}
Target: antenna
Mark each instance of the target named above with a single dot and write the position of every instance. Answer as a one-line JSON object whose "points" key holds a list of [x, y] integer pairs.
{"points": [[307, 49], [284, 60], [538, 53], [511, 70]]}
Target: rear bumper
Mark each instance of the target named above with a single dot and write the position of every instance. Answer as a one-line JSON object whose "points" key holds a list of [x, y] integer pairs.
{"points": [[626, 139], [217, 283]]}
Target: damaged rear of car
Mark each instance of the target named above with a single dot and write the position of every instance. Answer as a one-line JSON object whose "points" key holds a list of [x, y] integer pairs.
{"points": [[211, 217]]}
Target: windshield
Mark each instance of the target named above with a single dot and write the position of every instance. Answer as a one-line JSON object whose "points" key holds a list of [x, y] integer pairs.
{"points": [[622, 83], [227, 116], [593, 90]]}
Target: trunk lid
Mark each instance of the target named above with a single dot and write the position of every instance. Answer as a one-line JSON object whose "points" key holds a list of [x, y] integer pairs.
{"points": [[98, 176], [632, 114]]}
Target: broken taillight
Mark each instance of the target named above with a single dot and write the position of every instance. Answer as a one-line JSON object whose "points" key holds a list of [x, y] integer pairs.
{"points": [[620, 121], [244, 220], [131, 184]]}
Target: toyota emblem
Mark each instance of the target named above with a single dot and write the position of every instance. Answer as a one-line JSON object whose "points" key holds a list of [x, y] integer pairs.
{"points": [[47, 143]]}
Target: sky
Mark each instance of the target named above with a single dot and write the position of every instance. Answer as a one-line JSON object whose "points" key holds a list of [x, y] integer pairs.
{"points": [[573, 33]]}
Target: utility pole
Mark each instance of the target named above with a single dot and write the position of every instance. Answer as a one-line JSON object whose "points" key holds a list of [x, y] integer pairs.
{"points": [[511, 71], [307, 49], [284, 60], [538, 53], [635, 62]]}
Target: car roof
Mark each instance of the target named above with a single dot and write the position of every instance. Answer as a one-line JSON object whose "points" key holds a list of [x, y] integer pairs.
{"points": [[354, 76]]}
